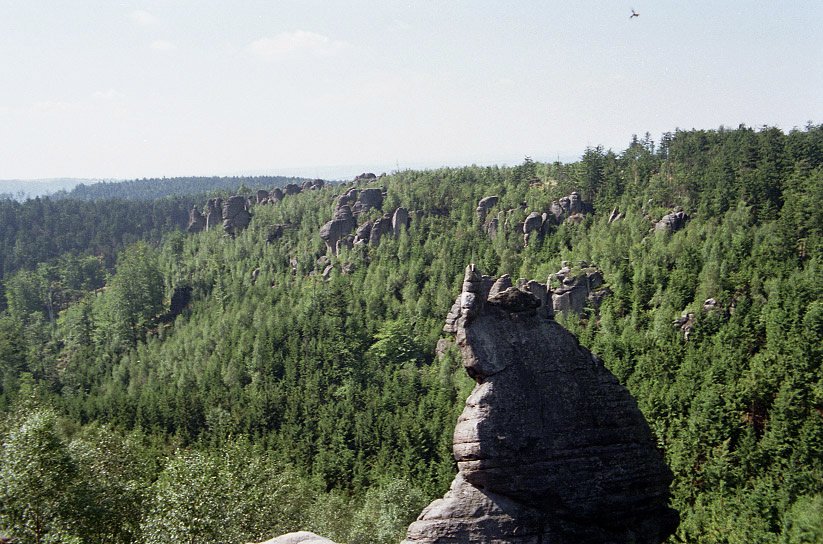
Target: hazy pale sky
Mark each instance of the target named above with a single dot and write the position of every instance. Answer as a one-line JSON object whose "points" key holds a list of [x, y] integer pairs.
{"points": [[150, 88]]}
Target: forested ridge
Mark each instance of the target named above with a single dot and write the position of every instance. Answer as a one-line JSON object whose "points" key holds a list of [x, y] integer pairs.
{"points": [[282, 394], [154, 188]]}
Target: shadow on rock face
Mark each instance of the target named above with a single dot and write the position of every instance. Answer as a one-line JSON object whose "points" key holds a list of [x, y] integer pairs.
{"points": [[550, 447]]}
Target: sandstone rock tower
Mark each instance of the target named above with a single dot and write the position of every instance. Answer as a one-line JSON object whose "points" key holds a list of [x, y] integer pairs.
{"points": [[550, 447]]}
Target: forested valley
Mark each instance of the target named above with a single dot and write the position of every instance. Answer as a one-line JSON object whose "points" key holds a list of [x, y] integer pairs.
{"points": [[171, 387]]}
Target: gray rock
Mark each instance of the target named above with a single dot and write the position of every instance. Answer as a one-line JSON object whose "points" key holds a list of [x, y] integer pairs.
{"points": [[492, 228], [485, 205], [380, 228], [365, 177], [363, 232], [197, 222], [301, 537], [533, 222], [400, 221], [550, 447], [291, 189], [276, 194], [214, 212], [235, 215], [501, 284], [568, 206], [341, 224], [685, 324], [672, 222], [262, 196], [571, 288], [371, 198], [442, 347]]}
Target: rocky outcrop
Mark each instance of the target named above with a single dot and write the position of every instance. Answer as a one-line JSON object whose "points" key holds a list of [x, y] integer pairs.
{"points": [[236, 215], [301, 537], [312, 185], [370, 198], [685, 324], [532, 226], [550, 447], [571, 206], [214, 212], [363, 233], [380, 228], [340, 225], [573, 288], [365, 177], [400, 221], [197, 222], [485, 205], [672, 222]]}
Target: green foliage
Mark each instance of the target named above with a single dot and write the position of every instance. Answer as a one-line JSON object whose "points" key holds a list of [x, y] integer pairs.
{"points": [[334, 378], [235, 494], [135, 296], [152, 189], [37, 479]]}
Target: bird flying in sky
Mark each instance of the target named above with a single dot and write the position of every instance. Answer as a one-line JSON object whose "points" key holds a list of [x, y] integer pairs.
{"points": [[634, 14]]}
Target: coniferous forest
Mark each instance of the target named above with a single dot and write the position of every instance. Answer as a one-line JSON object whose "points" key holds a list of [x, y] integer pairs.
{"points": [[168, 387]]}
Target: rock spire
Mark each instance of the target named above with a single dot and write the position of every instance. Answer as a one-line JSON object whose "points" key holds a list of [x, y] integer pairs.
{"points": [[550, 447]]}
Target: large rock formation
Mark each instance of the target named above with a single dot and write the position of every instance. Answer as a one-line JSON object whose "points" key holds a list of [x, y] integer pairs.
{"points": [[570, 207], [341, 224], [574, 287], [214, 212], [550, 447], [197, 222], [672, 222], [485, 205], [236, 214]]}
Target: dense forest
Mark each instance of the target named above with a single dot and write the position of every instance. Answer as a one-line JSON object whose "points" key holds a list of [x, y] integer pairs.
{"points": [[162, 386], [154, 188]]}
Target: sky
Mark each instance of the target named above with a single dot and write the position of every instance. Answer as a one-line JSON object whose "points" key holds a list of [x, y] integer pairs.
{"points": [[150, 88]]}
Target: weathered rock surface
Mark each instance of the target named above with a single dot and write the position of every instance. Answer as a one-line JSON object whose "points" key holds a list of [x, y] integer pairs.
{"points": [[236, 214], [197, 222], [214, 212], [572, 288], [672, 222], [301, 537], [569, 206], [341, 224], [363, 233], [400, 221], [380, 228], [365, 177], [550, 447], [485, 205], [371, 198]]}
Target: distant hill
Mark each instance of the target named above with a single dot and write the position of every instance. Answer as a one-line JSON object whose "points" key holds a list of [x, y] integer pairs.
{"points": [[22, 189], [150, 189]]}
